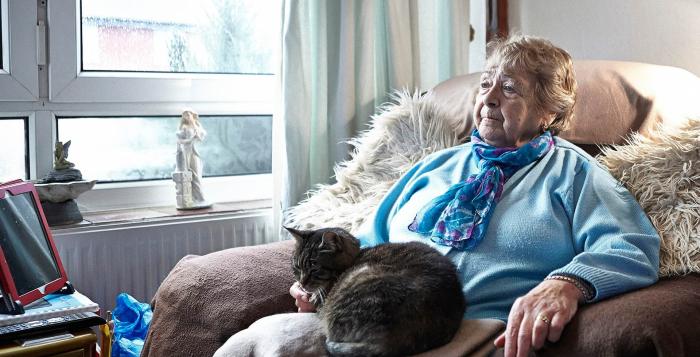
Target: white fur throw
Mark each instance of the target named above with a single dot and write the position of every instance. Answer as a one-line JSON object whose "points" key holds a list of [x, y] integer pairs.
{"points": [[662, 170], [399, 136]]}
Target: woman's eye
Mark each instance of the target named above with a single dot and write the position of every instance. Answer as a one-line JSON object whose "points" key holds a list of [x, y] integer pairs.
{"points": [[485, 85], [508, 88]]}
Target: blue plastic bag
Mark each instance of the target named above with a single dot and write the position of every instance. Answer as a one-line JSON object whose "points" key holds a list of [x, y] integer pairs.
{"points": [[131, 321]]}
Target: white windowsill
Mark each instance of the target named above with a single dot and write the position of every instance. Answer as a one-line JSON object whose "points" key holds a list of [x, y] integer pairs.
{"points": [[118, 219], [161, 193]]}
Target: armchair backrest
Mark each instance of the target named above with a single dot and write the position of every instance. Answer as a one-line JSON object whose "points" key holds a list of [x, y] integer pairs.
{"points": [[614, 99]]}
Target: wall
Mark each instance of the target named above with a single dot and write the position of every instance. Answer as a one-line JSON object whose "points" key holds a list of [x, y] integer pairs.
{"points": [[477, 48], [665, 32]]}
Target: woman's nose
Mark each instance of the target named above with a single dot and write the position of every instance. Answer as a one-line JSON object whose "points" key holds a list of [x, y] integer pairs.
{"points": [[491, 97]]}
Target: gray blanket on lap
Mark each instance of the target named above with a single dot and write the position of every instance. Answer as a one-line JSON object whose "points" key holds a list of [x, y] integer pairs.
{"points": [[301, 335]]}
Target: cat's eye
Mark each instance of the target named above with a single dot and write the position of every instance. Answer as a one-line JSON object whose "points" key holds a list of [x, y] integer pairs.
{"points": [[323, 274]]}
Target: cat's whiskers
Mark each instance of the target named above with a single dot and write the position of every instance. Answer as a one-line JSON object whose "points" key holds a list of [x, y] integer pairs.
{"points": [[322, 295]]}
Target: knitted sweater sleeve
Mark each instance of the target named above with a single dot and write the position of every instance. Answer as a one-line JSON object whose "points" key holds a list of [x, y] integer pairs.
{"points": [[617, 247]]}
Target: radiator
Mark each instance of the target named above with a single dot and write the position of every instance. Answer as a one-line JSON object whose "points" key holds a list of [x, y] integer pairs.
{"points": [[134, 258]]}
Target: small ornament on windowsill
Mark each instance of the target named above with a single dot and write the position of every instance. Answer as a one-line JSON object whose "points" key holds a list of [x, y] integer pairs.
{"points": [[59, 189], [188, 164]]}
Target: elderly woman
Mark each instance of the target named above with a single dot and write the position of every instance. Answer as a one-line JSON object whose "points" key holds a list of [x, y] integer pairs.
{"points": [[534, 225]]}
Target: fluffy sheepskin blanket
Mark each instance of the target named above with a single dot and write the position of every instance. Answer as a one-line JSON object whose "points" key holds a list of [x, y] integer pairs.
{"points": [[403, 132], [662, 170]]}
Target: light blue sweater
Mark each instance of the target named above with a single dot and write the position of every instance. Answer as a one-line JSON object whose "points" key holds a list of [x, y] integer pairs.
{"points": [[563, 214]]}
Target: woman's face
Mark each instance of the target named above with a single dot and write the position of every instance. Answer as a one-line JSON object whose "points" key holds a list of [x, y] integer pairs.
{"points": [[505, 111]]}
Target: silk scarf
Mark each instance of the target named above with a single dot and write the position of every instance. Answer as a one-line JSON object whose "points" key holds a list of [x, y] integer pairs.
{"points": [[459, 217]]}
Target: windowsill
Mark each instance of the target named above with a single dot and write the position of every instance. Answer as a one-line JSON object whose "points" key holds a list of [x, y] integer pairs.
{"points": [[161, 214]]}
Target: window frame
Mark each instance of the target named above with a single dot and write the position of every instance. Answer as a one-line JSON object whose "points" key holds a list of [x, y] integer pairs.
{"points": [[27, 119], [19, 78], [4, 39], [60, 89], [70, 84]]}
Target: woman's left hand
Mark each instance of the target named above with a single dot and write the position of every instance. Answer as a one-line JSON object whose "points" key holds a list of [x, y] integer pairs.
{"points": [[541, 314]]}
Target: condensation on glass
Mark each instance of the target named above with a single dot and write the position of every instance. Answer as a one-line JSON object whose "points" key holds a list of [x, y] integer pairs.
{"points": [[207, 36], [13, 149], [113, 149]]}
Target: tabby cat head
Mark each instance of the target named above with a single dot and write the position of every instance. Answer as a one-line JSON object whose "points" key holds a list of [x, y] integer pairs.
{"points": [[321, 255]]}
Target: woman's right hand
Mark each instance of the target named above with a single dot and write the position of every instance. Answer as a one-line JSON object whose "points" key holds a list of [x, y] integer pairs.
{"points": [[301, 298]]}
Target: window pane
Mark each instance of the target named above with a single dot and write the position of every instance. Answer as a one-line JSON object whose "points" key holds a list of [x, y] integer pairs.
{"points": [[221, 36], [13, 150], [143, 148]]}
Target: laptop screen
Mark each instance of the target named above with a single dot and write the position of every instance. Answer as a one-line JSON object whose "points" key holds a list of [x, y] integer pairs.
{"points": [[25, 244]]}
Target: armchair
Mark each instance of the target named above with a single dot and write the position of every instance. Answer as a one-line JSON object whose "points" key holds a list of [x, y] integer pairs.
{"points": [[206, 299]]}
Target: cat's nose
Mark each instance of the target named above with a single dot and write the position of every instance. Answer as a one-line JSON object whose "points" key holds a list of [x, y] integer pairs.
{"points": [[303, 280]]}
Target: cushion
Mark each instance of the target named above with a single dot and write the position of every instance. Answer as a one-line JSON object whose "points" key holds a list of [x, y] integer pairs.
{"points": [[662, 170], [206, 299]]}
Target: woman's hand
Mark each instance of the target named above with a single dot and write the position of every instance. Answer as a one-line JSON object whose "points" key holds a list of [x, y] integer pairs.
{"points": [[301, 298], [541, 314]]}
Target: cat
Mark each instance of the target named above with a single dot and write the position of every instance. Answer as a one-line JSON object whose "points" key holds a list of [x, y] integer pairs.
{"points": [[396, 299]]}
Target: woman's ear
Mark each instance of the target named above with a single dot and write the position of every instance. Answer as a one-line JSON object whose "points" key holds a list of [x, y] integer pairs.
{"points": [[547, 120]]}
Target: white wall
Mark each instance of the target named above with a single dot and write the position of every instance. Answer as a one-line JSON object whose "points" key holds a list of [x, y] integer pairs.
{"points": [[665, 32], [477, 48]]}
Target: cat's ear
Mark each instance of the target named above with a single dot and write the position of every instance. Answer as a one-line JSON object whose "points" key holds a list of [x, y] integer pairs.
{"points": [[331, 242], [338, 252], [297, 234]]}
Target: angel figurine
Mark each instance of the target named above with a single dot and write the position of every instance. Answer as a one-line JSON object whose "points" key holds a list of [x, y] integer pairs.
{"points": [[60, 160], [188, 167]]}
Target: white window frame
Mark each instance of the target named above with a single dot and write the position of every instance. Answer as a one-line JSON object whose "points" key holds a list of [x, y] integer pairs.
{"points": [[69, 84], [65, 91], [155, 193], [30, 137], [19, 80]]}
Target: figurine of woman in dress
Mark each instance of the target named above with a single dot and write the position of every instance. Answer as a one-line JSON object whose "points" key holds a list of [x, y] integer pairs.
{"points": [[188, 160]]}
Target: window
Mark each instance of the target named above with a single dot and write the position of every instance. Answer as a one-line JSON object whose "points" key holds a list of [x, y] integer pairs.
{"points": [[113, 149], [113, 76], [134, 51], [14, 149], [19, 80], [211, 36]]}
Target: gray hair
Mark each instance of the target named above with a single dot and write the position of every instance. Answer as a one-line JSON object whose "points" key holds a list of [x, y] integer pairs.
{"points": [[551, 67]]}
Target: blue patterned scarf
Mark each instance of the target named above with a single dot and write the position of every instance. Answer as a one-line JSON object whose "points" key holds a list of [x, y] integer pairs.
{"points": [[459, 217]]}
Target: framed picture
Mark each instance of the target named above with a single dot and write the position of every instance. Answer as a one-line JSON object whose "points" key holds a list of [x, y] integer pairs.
{"points": [[30, 266]]}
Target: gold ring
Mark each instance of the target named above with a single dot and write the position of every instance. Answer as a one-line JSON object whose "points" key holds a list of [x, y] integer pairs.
{"points": [[543, 318]]}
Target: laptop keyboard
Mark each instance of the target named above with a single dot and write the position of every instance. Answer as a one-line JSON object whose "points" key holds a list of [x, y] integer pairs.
{"points": [[24, 329]]}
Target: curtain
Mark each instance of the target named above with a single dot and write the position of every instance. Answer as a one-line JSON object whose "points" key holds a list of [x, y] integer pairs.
{"points": [[340, 62]]}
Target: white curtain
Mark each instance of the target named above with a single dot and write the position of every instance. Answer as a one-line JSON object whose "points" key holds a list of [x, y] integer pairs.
{"points": [[341, 60]]}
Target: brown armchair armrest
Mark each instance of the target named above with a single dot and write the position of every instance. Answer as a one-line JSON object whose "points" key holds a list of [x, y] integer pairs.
{"points": [[660, 320]]}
